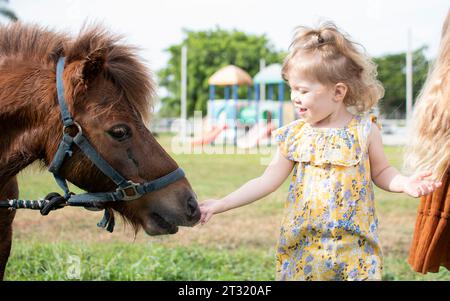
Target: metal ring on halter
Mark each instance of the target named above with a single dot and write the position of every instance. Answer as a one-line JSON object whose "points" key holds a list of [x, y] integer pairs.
{"points": [[129, 192], [80, 131]]}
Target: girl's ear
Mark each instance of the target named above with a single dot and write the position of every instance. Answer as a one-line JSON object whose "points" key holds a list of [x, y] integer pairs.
{"points": [[340, 90]]}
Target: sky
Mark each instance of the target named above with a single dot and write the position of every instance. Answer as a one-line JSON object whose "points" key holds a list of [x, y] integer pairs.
{"points": [[381, 26]]}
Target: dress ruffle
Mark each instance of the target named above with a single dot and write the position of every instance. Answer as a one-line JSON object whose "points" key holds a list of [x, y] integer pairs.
{"points": [[300, 142]]}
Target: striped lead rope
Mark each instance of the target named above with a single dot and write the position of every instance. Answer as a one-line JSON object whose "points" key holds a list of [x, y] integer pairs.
{"points": [[52, 201], [24, 204]]}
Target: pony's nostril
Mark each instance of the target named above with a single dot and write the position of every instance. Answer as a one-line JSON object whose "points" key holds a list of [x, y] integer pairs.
{"points": [[192, 207]]}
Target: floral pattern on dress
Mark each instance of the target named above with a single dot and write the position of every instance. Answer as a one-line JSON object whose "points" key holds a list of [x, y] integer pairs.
{"points": [[329, 230]]}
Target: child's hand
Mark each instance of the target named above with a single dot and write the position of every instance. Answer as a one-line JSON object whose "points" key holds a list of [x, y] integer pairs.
{"points": [[208, 208], [417, 186]]}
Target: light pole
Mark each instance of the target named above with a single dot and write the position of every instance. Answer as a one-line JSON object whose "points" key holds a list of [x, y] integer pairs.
{"points": [[183, 92]]}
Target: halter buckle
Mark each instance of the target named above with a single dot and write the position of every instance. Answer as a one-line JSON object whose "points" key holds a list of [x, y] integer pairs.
{"points": [[129, 192], [74, 124]]}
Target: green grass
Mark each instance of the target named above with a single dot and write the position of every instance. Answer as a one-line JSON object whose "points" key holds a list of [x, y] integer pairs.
{"points": [[114, 261], [396, 268], [234, 246]]}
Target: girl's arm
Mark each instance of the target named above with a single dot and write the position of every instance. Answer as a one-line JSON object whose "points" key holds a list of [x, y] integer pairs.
{"points": [[255, 189], [388, 178]]}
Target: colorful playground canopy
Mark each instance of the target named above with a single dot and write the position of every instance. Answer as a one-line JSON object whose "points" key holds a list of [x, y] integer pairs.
{"points": [[269, 75], [229, 76]]}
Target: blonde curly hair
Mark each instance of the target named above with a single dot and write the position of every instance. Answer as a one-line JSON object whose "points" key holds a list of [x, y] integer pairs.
{"points": [[328, 56], [429, 132]]}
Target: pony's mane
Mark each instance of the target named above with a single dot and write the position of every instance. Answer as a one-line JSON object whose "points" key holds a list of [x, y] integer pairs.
{"points": [[33, 43]]}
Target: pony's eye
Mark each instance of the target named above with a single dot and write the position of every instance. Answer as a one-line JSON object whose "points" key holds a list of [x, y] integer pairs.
{"points": [[120, 132]]}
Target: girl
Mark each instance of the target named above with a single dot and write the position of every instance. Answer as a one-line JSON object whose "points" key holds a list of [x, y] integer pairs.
{"points": [[429, 148], [329, 231]]}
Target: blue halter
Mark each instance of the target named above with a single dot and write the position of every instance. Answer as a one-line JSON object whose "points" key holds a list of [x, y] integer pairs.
{"points": [[126, 190]]}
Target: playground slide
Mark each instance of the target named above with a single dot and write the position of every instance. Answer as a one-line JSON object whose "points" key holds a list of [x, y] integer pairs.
{"points": [[210, 136], [255, 135]]}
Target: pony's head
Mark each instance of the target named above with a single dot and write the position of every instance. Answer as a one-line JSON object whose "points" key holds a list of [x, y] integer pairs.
{"points": [[109, 93]]}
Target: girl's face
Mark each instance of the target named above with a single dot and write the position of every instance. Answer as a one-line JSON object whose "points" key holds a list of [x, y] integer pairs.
{"points": [[312, 100]]}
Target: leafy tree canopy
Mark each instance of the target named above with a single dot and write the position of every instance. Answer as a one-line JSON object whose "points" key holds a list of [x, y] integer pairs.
{"points": [[7, 12], [392, 73]]}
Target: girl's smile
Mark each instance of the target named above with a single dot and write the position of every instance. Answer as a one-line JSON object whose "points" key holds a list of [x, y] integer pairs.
{"points": [[302, 111]]}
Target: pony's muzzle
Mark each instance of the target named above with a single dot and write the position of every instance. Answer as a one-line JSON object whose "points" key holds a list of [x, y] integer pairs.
{"points": [[192, 210]]}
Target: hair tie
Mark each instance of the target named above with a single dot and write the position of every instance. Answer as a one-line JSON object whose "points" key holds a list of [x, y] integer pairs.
{"points": [[320, 40]]}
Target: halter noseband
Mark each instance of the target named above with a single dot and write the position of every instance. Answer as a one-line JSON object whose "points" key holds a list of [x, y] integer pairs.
{"points": [[126, 189]]}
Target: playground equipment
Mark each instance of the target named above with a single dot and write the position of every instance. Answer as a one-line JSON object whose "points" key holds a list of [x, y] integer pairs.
{"points": [[210, 136], [271, 77], [244, 122], [230, 77], [257, 135]]}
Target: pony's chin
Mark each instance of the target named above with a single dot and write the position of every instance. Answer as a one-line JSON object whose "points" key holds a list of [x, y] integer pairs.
{"points": [[157, 225], [154, 231]]}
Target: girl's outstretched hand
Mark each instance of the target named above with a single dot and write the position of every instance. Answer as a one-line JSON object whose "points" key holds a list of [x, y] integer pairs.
{"points": [[208, 208], [417, 186]]}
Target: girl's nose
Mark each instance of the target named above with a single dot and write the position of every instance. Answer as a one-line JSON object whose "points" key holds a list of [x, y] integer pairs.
{"points": [[295, 97], [296, 100]]}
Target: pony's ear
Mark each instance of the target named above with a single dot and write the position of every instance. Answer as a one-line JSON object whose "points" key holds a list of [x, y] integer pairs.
{"points": [[93, 65], [86, 70]]}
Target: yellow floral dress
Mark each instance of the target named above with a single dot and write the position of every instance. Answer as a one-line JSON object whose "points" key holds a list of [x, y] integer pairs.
{"points": [[329, 230]]}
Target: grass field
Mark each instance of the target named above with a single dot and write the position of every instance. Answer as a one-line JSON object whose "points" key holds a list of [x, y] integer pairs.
{"points": [[236, 245]]}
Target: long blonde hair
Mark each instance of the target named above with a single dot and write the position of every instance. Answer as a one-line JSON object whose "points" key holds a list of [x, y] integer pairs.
{"points": [[429, 146], [327, 55]]}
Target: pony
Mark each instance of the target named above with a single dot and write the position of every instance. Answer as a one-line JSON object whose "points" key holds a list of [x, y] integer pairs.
{"points": [[110, 93]]}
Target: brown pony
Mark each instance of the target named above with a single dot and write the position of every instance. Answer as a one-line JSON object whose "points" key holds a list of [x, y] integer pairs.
{"points": [[109, 93]]}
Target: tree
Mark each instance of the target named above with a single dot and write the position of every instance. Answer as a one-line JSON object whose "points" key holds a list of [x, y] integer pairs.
{"points": [[207, 52], [6, 12], [392, 73]]}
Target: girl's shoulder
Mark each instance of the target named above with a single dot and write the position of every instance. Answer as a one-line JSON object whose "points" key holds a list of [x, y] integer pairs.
{"points": [[367, 119], [287, 136], [365, 122], [288, 130]]}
